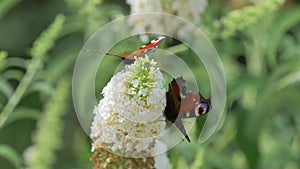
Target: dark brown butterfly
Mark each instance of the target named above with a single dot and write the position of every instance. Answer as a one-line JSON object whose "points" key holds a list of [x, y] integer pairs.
{"points": [[142, 51], [181, 104]]}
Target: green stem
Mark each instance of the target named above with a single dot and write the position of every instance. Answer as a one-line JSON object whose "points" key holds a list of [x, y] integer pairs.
{"points": [[15, 98]]}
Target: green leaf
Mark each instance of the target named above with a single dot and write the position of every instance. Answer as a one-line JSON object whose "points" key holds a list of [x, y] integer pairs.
{"points": [[5, 88], [39, 50], [287, 20], [13, 74], [16, 62], [181, 163], [72, 25], [21, 113], [40, 86], [47, 138], [198, 162], [3, 59], [6, 5], [60, 64], [11, 155], [283, 76], [292, 78], [46, 40]]}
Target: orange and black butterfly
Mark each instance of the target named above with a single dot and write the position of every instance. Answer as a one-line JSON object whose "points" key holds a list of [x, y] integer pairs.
{"points": [[141, 52], [182, 104]]}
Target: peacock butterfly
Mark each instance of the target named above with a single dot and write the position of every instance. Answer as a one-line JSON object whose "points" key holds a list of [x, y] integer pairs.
{"points": [[182, 104], [128, 58]]}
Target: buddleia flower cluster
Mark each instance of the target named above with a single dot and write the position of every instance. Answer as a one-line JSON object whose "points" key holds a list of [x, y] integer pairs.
{"points": [[190, 10], [129, 119]]}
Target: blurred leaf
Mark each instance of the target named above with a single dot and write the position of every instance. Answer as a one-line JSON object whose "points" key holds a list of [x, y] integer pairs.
{"points": [[48, 135], [73, 24], [40, 47], [249, 123], [81, 148], [232, 69], [40, 86], [6, 88], [11, 155], [13, 74], [238, 85], [181, 163], [289, 49], [21, 113], [3, 59], [281, 71], [198, 161], [16, 62], [47, 39], [284, 22], [60, 65], [286, 98], [174, 156], [6, 5], [291, 78], [74, 4]]}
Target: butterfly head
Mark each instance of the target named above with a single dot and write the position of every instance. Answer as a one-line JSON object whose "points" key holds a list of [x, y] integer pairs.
{"points": [[158, 39], [202, 108]]}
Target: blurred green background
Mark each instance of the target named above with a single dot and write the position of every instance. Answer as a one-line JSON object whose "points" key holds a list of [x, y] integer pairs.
{"points": [[259, 45]]}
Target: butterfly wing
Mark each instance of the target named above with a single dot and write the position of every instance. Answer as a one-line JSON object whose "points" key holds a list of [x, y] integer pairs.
{"points": [[173, 102], [146, 49], [180, 126], [128, 58], [194, 105], [182, 86], [173, 107]]}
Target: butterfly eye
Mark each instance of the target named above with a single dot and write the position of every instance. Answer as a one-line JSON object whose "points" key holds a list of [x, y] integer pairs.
{"points": [[203, 108]]}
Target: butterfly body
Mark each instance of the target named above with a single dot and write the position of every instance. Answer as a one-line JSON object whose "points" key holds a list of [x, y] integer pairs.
{"points": [[181, 104]]}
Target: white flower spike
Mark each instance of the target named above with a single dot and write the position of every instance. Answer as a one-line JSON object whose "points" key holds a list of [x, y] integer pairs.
{"points": [[129, 119]]}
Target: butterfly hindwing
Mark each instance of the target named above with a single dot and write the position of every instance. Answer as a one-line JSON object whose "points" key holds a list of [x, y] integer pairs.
{"points": [[182, 104], [173, 107], [179, 125]]}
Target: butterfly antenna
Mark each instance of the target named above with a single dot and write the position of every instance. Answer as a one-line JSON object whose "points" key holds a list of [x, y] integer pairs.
{"points": [[101, 52]]}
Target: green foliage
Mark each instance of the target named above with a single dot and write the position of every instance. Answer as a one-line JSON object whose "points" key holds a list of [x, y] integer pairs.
{"points": [[263, 88], [198, 162], [11, 155], [259, 48], [3, 56], [6, 5], [47, 39], [40, 47], [47, 138], [288, 19], [241, 19]]}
